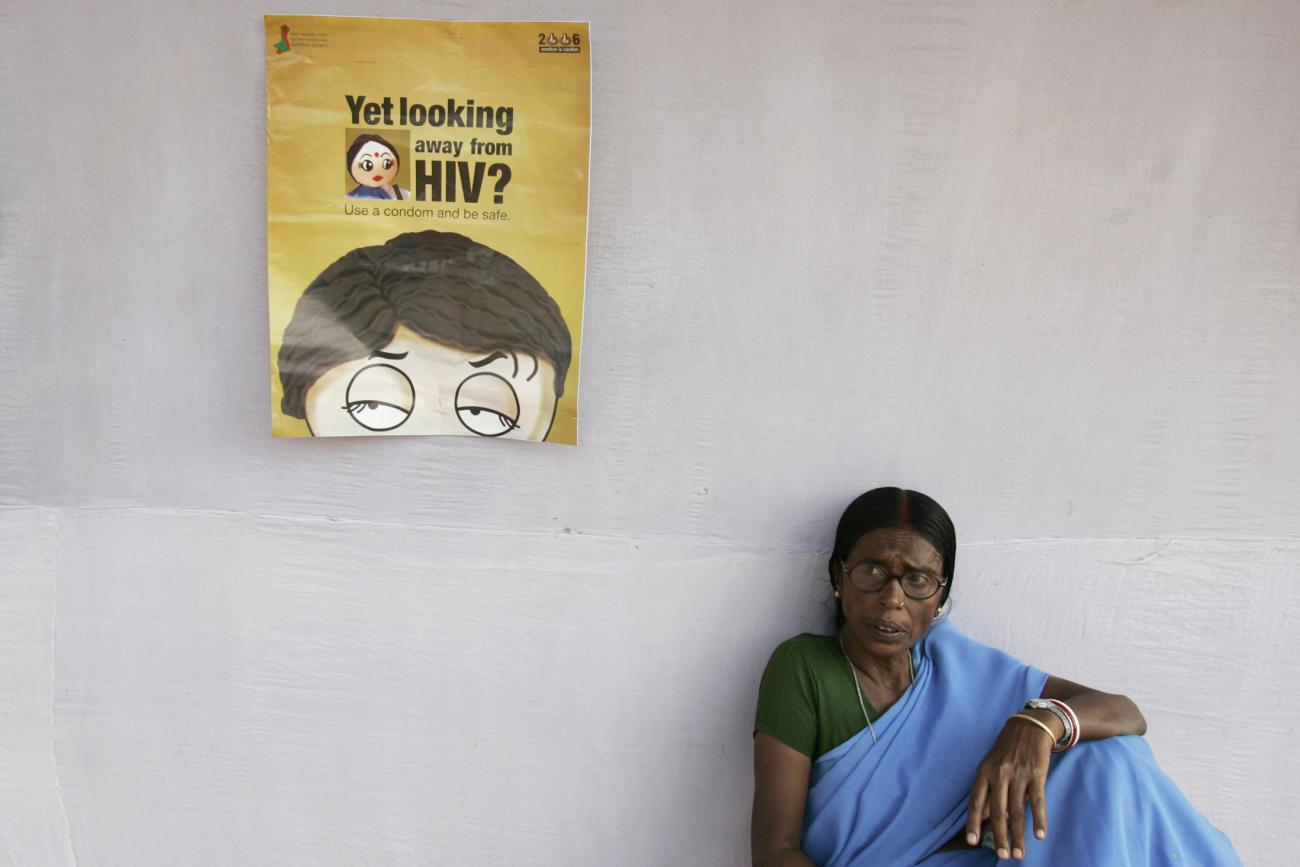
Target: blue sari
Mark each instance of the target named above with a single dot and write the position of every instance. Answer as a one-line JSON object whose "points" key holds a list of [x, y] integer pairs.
{"points": [[895, 802]]}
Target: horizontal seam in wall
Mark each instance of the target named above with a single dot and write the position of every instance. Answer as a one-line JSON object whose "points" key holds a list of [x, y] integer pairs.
{"points": [[692, 540]]}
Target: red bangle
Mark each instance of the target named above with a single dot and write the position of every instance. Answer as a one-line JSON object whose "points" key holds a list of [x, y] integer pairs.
{"points": [[1074, 718]]}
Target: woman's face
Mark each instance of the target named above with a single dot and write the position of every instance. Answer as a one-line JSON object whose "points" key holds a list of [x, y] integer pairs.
{"points": [[374, 165], [888, 622]]}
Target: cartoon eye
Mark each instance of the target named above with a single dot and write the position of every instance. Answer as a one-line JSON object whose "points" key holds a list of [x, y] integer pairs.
{"points": [[485, 422], [380, 397], [375, 415], [388, 163], [367, 164], [487, 405]]}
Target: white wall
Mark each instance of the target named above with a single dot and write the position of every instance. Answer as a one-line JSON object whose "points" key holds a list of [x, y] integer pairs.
{"points": [[1038, 260]]}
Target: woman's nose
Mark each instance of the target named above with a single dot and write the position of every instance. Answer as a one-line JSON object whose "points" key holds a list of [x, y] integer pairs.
{"points": [[891, 595]]}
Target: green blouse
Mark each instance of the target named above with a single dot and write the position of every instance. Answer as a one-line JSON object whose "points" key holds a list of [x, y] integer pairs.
{"points": [[807, 699]]}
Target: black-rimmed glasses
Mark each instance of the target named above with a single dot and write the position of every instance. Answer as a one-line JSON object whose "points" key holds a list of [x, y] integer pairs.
{"points": [[872, 578]]}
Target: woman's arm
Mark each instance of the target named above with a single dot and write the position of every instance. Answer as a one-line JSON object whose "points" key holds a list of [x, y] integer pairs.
{"points": [[780, 794], [1101, 715], [1015, 770]]}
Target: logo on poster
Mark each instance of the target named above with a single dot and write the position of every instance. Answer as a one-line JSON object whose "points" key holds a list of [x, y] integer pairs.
{"points": [[302, 39], [565, 43], [282, 46]]}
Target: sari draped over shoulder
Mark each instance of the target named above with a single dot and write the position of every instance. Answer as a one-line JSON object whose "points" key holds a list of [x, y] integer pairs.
{"points": [[897, 801]]}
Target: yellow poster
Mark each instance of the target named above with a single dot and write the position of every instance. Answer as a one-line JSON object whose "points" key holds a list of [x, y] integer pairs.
{"points": [[426, 226]]}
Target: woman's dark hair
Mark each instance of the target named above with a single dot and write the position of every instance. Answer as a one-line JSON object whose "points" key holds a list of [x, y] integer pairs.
{"points": [[443, 286], [894, 507], [364, 139]]}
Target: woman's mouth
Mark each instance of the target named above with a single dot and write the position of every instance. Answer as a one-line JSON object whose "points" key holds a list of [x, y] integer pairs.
{"points": [[377, 178], [887, 630]]}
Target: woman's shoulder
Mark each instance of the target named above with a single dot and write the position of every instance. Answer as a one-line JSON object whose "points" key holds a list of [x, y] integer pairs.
{"points": [[808, 639], [806, 651], [945, 640], [806, 643], [798, 671], [954, 651]]}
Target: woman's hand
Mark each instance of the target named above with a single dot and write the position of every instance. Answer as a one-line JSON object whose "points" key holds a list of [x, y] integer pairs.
{"points": [[1014, 771]]}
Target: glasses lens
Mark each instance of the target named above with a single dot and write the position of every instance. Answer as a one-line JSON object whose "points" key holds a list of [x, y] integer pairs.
{"points": [[868, 577], [919, 585]]}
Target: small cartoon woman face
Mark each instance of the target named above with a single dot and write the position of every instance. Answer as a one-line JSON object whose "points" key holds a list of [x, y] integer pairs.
{"points": [[374, 166]]}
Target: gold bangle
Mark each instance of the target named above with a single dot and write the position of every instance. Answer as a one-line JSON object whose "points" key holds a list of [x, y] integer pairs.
{"points": [[1042, 725]]}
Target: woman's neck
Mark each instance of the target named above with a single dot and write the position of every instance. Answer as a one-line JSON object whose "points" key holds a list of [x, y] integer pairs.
{"points": [[892, 673]]}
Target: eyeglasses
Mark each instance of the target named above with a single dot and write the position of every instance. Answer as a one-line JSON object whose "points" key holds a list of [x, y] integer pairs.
{"points": [[872, 578]]}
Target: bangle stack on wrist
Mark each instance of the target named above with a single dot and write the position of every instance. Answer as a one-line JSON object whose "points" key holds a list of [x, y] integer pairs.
{"points": [[1074, 728], [1065, 714]]}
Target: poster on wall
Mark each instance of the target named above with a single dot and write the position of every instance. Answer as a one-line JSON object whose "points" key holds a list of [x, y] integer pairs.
{"points": [[426, 226]]}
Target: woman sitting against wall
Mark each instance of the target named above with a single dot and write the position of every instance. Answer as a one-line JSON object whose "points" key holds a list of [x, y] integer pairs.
{"points": [[898, 741]]}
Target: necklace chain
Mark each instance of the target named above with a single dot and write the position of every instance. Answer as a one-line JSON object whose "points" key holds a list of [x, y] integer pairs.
{"points": [[853, 672]]}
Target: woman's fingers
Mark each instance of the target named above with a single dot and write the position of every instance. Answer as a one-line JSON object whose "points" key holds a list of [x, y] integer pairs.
{"points": [[998, 813], [1016, 816], [977, 810], [1012, 775], [1038, 803], [1031, 790], [1002, 800]]}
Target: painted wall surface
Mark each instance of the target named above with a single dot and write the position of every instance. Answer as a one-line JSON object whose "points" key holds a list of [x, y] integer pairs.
{"points": [[1038, 260]]}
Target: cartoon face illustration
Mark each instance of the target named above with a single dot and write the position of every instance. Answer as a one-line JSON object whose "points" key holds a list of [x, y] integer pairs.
{"points": [[430, 333], [373, 162], [419, 386], [374, 165]]}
